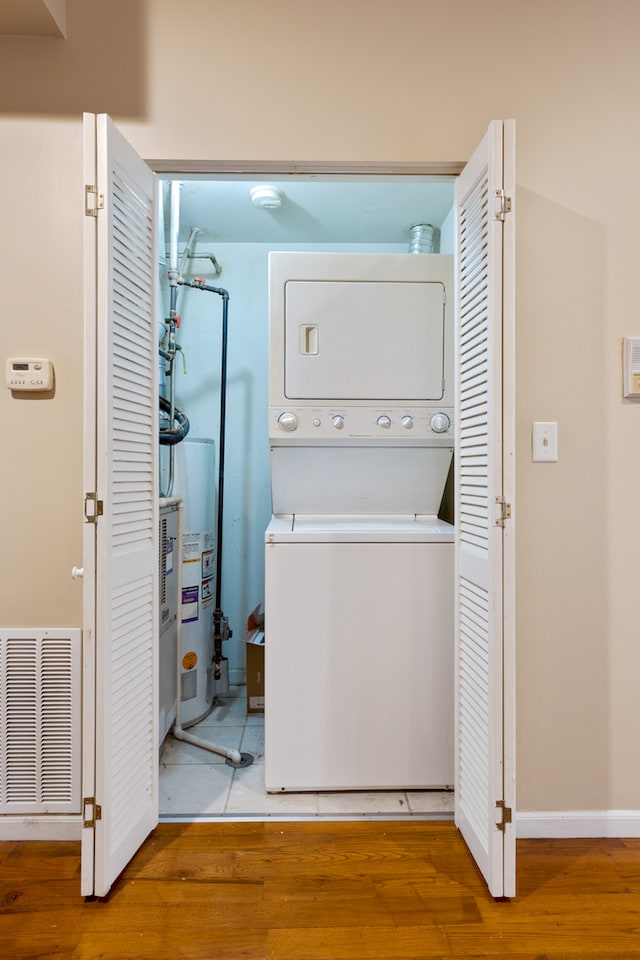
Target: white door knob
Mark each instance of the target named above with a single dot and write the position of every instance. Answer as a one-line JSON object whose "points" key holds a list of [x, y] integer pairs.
{"points": [[77, 573]]}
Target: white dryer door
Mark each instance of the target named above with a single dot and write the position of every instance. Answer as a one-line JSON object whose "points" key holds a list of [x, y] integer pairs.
{"points": [[364, 340]]}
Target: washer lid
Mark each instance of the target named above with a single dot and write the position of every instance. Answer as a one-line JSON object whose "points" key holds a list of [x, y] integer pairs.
{"points": [[312, 528]]}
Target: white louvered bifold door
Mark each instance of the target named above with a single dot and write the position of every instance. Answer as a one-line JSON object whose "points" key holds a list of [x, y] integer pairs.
{"points": [[122, 659], [485, 729]]}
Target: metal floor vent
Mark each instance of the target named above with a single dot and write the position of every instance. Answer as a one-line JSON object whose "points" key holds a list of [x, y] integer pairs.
{"points": [[40, 698]]}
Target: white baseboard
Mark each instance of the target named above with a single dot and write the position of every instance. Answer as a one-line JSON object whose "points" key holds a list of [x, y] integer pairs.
{"points": [[560, 824], [40, 828], [530, 824]]}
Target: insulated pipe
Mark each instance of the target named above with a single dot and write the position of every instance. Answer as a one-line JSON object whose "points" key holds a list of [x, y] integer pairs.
{"points": [[175, 224], [193, 233], [217, 269], [173, 275], [193, 255], [233, 755]]}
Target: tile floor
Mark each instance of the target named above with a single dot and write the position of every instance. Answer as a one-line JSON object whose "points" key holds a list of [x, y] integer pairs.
{"points": [[197, 784]]}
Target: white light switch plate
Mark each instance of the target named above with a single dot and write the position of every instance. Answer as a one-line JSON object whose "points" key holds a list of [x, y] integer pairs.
{"points": [[544, 442]]}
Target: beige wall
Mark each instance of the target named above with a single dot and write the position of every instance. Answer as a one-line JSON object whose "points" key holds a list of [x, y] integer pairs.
{"points": [[41, 453], [365, 80]]}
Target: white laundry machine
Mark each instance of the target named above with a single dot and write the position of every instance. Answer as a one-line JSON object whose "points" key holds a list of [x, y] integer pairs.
{"points": [[359, 567]]}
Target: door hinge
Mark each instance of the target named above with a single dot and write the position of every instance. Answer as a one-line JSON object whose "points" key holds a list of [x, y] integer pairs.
{"points": [[504, 511], [503, 815], [91, 811], [93, 201], [503, 205], [92, 507]]}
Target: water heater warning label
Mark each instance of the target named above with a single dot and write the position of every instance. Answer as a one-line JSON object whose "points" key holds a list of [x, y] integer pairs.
{"points": [[207, 564], [207, 590], [190, 604], [190, 546]]}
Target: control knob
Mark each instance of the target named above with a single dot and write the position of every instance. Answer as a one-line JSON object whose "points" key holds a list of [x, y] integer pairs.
{"points": [[407, 422], [287, 421], [384, 422], [338, 421], [440, 422]]}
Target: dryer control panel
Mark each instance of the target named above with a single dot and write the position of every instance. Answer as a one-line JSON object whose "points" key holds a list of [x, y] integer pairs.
{"points": [[408, 425]]}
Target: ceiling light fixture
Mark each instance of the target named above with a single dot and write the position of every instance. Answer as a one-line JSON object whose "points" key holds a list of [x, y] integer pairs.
{"points": [[266, 197]]}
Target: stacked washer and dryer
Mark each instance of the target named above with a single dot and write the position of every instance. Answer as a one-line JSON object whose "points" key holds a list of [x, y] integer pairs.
{"points": [[359, 565]]}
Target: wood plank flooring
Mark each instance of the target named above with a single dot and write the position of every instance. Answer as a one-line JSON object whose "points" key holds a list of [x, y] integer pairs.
{"points": [[321, 891]]}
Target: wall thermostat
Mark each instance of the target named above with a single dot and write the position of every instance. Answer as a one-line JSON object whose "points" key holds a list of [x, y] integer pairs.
{"points": [[29, 373]]}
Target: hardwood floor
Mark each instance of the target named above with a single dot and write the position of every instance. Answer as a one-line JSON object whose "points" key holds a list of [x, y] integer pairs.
{"points": [[321, 891]]}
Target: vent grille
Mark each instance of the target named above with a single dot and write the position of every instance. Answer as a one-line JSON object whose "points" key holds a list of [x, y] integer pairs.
{"points": [[475, 372], [40, 720], [162, 569], [473, 705], [131, 617], [473, 425], [132, 699], [133, 364]]}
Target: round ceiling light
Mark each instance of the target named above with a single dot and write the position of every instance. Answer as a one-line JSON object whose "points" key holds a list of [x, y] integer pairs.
{"points": [[266, 197]]}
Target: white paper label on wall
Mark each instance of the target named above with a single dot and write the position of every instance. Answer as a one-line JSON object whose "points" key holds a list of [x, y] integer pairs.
{"points": [[631, 367]]}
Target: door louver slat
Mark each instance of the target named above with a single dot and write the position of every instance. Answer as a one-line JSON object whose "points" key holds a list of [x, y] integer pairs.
{"points": [[472, 511]]}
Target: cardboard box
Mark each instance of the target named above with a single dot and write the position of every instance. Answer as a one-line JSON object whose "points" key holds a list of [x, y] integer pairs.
{"points": [[255, 661]]}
